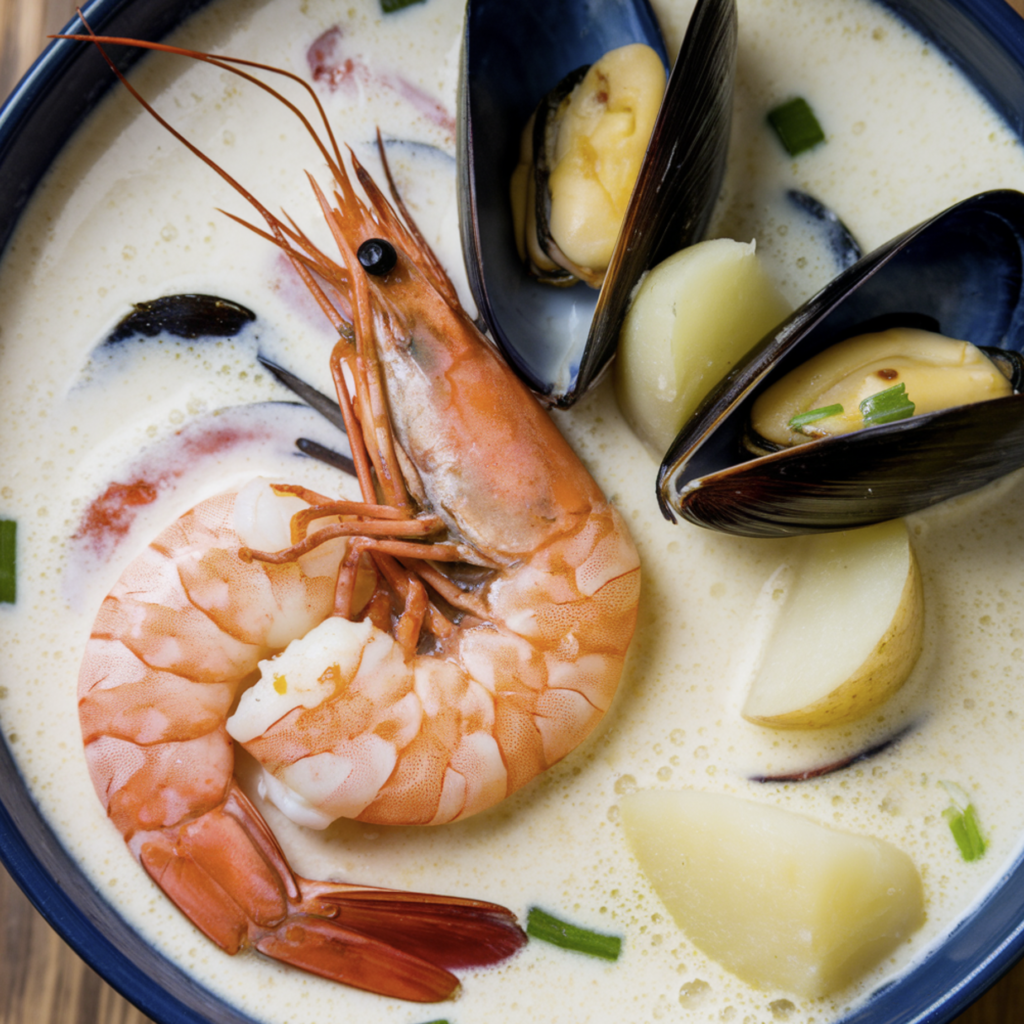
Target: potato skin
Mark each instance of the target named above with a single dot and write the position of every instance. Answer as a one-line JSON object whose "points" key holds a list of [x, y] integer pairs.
{"points": [[879, 676], [692, 319]]}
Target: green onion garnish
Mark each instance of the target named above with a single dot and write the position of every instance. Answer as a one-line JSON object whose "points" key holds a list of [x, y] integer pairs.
{"points": [[804, 418], [543, 926], [8, 548], [390, 6], [887, 406], [963, 822], [796, 126]]}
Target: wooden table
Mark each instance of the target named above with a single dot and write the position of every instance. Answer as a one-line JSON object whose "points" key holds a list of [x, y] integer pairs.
{"points": [[41, 980]]}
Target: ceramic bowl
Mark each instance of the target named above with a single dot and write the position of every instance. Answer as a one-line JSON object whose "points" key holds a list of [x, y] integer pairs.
{"points": [[983, 37]]}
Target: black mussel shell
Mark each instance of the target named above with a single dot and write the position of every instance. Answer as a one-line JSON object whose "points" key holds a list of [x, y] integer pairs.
{"points": [[962, 273], [184, 316], [559, 340], [845, 248]]}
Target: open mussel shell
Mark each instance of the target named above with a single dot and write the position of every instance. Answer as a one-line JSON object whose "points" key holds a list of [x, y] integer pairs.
{"points": [[960, 273], [560, 339]]}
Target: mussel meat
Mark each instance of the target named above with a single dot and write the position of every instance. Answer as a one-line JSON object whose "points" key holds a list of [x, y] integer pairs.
{"points": [[580, 155], [960, 273], [560, 340], [873, 378]]}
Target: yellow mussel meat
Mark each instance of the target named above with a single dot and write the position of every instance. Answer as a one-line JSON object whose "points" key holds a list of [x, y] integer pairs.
{"points": [[580, 155], [870, 379]]}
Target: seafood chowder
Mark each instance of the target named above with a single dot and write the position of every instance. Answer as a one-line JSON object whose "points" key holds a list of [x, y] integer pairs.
{"points": [[141, 427]]}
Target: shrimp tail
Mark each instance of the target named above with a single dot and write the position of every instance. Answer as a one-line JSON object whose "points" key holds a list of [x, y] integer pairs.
{"points": [[226, 873]]}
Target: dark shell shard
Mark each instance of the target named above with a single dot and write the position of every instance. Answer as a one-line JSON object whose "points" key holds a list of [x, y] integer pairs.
{"points": [[559, 340], [323, 404], [962, 270], [836, 766], [183, 316], [845, 248], [328, 456]]}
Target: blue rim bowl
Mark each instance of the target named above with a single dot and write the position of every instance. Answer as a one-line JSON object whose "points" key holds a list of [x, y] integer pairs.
{"points": [[984, 38]]}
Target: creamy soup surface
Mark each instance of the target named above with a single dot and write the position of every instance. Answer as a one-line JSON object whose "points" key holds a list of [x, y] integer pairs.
{"points": [[128, 215]]}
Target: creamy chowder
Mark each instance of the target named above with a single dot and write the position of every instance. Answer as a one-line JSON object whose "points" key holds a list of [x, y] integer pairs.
{"points": [[128, 215]]}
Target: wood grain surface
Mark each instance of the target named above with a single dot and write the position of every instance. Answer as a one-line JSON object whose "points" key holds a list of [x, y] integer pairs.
{"points": [[41, 980]]}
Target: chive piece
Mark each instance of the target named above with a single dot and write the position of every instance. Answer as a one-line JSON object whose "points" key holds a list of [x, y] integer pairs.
{"points": [[802, 419], [390, 6], [963, 822], [887, 406], [796, 126], [8, 548], [543, 926]]}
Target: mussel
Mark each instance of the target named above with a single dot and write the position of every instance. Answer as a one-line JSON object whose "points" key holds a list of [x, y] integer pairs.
{"points": [[188, 317], [560, 340], [960, 273]]}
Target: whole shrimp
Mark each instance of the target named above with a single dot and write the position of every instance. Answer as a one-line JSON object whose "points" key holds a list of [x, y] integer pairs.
{"points": [[424, 653]]}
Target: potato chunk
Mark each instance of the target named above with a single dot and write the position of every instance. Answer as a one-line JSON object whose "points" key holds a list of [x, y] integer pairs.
{"points": [[774, 897], [848, 635], [693, 317]]}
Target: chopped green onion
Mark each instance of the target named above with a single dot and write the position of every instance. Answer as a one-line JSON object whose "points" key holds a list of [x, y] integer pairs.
{"points": [[390, 6], [963, 822], [541, 925], [437, 1022], [804, 418], [8, 549], [887, 406], [796, 126]]}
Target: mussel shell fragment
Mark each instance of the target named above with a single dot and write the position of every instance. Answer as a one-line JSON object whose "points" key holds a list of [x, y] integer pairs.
{"points": [[845, 248], [184, 316], [559, 340], [961, 271]]}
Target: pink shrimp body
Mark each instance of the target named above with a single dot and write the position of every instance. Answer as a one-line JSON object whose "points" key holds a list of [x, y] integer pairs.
{"points": [[534, 665], [455, 634]]}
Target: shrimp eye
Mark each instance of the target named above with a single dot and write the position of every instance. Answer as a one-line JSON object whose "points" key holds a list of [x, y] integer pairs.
{"points": [[377, 256]]}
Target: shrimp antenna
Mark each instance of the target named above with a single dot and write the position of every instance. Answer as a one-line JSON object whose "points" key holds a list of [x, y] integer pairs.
{"points": [[280, 232], [285, 238], [233, 66]]}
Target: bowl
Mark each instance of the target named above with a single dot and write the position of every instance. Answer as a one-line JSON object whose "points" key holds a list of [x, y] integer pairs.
{"points": [[983, 37]]}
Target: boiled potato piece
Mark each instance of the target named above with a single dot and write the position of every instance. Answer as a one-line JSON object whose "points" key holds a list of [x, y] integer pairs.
{"points": [[774, 897], [692, 319], [848, 635]]}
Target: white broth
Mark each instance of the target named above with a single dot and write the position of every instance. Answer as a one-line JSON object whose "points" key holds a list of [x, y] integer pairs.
{"points": [[127, 215]]}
